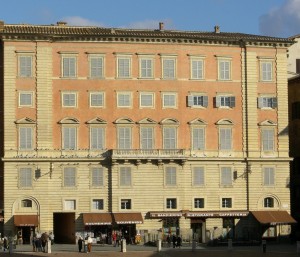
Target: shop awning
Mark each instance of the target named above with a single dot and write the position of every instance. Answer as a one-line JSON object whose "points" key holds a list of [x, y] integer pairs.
{"points": [[90, 219], [165, 214], [216, 214], [128, 218], [26, 220], [273, 217]]}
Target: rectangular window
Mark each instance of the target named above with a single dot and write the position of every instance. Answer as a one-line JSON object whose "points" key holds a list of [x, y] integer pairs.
{"points": [[171, 176], [25, 138], [70, 205], [69, 138], [198, 141], [25, 66], [97, 99], [226, 203], [124, 67], [225, 139], [69, 100], [169, 100], [198, 176], [168, 68], [170, 138], [267, 102], [25, 177], [269, 176], [146, 100], [97, 177], [125, 176], [124, 138], [225, 101], [268, 139], [199, 203], [197, 100], [26, 203], [69, 67], [97, 204], [266, 71], [224, 69], [96, 67], [126, 204], [147, 138], [197, 68], [97, 138], [69, 177], [146, 68], [226, 176], [124, 99], [171, 203], [25, 99]]}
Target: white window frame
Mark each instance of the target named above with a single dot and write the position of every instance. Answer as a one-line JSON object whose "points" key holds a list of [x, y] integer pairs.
{"points": [[226, 176], [124, 74], [66, 145], [224, 200], [224, 73], [266, 70], [122, 103], [169, 104], [26, 203], [127, 201], [267, 102], [197, 73], [201, 140], [25, 70], [122, 140], [97, 204], [66, 72], [25, 177], [197, 101], [225, 101], [169, 205], [170, 72], [99, 143], [96, 72], [194, 203], [268, 144], [69, 177], [24, 102], [146, 72], [167, 140], [148, 142], [70, 204], [198, 176], [148, 105], [171, 176], [69, 104], [102, 100], [125, 174], [27, 145], [226, 144], [266, 203], [97, 176], [269, 175]]}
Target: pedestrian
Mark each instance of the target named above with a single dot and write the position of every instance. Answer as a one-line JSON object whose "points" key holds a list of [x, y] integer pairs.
{"points": [[5, 244], [178, 241], [89, 242], [114, 239], [33, 243], [80, 241], [169, 240], [174, 239]]}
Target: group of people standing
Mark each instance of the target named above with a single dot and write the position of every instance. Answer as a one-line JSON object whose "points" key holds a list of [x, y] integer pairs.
{"points": [[85, 243], [39, 242], [175, 239]]}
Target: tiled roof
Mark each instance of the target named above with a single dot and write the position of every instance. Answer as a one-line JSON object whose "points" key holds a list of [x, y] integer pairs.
{"points": [[77, 31]]}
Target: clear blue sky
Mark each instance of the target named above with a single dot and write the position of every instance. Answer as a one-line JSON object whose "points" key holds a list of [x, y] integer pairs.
{"points": [[266, 17]]}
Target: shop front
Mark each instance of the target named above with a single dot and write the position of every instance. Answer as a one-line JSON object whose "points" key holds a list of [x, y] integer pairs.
{"points": [[25, 225]]}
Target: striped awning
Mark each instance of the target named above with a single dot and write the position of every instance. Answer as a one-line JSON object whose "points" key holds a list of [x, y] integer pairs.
{"points": [[128, 218], [90, 219], [26, 220], [273, 217]]}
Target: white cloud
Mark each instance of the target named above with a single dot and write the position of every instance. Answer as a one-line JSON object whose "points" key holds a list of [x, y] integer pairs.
{"points": [[283, 21], [79, 21]]}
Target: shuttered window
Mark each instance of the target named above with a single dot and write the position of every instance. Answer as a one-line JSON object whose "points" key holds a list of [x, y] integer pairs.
{"points": [[147, 138], [25, 66], [225, 101], [170, 138], [269, 176], [226, 176], [198, 176], [266, 71], [225, 138], [171, 176], [124, 67], [25, 138], [97, 138], [198, 138], [97, 177], [124, 138], [69, 177], [25, 177], [197, 69], [197, 100], [96, 66], [125, 176], [267, 102], [268, 139], [69, 138], [168, 68], [146, 66], [69, 67], [224, 70]]}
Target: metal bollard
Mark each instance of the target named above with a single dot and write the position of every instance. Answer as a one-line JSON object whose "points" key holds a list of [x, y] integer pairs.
{"points": [[194, 245], [264, 246], [123, 245], [229, 244], [159, 245]]}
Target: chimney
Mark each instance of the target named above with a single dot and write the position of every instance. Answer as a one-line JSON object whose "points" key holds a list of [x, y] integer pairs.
{"points": [[217, 29], [61, 23], [161, 26]]}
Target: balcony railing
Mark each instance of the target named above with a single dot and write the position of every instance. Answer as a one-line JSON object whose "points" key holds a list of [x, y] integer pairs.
{"points": [[148, 153]]}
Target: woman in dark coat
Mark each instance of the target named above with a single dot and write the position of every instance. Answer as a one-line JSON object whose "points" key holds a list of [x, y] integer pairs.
{"points": [[80, 244]]}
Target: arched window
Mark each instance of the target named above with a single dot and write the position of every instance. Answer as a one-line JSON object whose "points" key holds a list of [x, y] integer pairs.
{"points": [[269, 202]]}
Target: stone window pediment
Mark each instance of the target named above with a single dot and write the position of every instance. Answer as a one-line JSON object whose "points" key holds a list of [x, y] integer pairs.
{"points": [[147, 121], [124, 121], [224, 122], [267, 123], [169, 121], [25, 120], [69, 120], [197, 121], [96, 120]]}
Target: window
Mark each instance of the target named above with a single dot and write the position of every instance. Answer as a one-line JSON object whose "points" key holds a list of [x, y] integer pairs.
{"points": [[96, 99], [226, 203], [97, 204], [146, 68], [146, 100], [224, 69], [267, 102], [69, 177], [124, 138], [226, 176], [125, 176], [197, 100], [225, 101], [26, 203], [296, 110], [96, 66], [70, 205], [199, 203], [269, 202], [124, 99], [170, 138], [147, 138], [25, 177], [69, 138], [125, 204], [25, 138], [266, 70], [198, 140], [269, 176], [69, 67], [171, 203], [25, 66], [97, 177], [197, 68], [168, 65], [69, 100], [198, 176], [170, 176], [97, 138], [225, 139], [25, 99], [124, 67], [169, 100], [268, 139]]}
